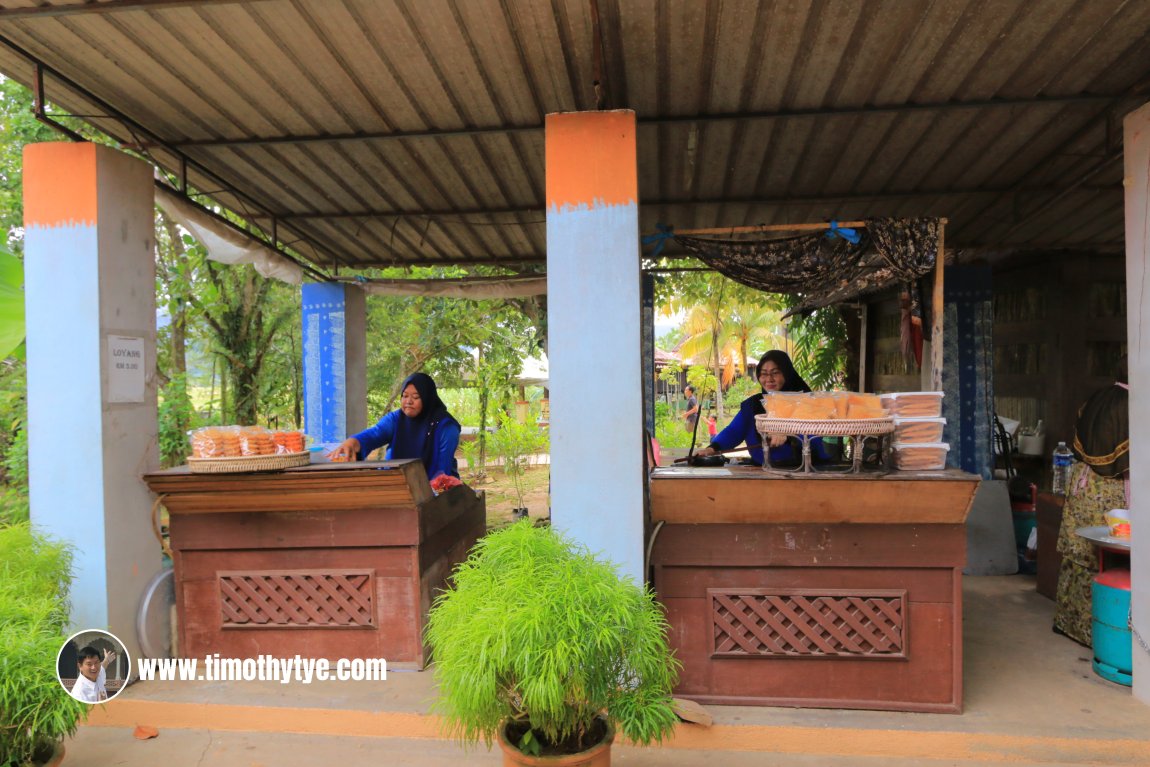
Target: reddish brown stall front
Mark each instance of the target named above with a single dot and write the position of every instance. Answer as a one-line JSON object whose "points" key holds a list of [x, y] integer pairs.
{"points": [[325, 561], [840, 591]]}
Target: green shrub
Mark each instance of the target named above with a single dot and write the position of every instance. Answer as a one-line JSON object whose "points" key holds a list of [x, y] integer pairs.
{"points": [[13, 505], [538, 631], [35, 711]]}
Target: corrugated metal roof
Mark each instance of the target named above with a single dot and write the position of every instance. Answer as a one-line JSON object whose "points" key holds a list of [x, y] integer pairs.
{"points": [[410, 131]]}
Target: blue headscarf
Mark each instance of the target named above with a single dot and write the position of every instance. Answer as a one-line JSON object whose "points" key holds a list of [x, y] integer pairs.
{"points": [[415, 437]]}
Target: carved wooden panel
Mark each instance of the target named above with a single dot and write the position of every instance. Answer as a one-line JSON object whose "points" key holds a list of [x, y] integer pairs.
{"points": [[804, 623], [304, 598]]}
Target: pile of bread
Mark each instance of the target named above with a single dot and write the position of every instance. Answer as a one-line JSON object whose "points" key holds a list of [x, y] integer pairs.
{"points": [[237, 441], [823, 405]]}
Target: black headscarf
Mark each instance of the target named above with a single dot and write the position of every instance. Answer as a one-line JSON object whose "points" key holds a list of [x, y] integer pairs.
{"points": [[415, 437], [792, 381]]}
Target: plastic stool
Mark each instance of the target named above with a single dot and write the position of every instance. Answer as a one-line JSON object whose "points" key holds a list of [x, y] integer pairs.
{"points": [[1110, 602]]}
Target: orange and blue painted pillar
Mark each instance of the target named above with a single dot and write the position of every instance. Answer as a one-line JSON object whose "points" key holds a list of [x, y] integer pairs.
{"points": [[90, 311], [593, 307]]}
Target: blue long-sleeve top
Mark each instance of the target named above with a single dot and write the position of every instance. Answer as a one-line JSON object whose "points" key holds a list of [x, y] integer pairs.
{"points": [[742, 429], [443, 452]]}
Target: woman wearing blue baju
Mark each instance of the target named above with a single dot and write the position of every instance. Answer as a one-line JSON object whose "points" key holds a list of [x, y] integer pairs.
{"points": [[775, 372], [421, 428]]}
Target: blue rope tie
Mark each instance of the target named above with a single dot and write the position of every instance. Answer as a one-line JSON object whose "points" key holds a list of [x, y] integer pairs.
{"points": [[850, 235], [659, 239]]}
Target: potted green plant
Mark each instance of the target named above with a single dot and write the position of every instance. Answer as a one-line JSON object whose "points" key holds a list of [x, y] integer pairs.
{"points": [[35, 710], [544, 647], [515, 442]]}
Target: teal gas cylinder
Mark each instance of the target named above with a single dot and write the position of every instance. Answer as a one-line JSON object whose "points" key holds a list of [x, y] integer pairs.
{"points": [[1113, 658]]}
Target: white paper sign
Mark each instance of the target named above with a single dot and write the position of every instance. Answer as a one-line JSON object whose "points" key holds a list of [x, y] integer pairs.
{"points": [[125, 369]]}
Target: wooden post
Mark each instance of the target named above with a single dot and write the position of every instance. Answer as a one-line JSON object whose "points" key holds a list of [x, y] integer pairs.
{"points": [[936, 311]]}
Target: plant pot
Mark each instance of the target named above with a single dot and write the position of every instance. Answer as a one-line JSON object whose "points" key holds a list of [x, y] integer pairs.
{"points": [[55, 759], [596, 756]]}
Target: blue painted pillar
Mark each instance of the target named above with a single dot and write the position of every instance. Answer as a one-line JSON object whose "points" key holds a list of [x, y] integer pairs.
{"points": [[593, 319], [334, 360], [89, 271]]}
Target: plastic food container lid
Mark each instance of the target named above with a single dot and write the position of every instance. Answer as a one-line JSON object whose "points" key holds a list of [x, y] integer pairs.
{"points": [[931, 445], [897, 394]]}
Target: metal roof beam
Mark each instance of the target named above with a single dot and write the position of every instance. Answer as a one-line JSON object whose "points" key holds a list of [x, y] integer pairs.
{"points": [[650, 203], [782, 114], [108, 6]]}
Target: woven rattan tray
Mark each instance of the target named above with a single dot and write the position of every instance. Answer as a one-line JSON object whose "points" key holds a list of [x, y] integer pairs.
{"points": [[830, 428], [242, 463]]}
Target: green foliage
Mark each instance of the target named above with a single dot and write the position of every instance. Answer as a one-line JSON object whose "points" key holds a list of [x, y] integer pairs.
{"points": [[434, 335], [13, 415], [742, 388], [672, 432], [819, 350], [703, 380], [671, 371], [515, 442], [18, 127], [11, 303], [538, 630], [175, 419], [243, 322], [16, 460], [469, 449], [14, 507], [35, 711]]}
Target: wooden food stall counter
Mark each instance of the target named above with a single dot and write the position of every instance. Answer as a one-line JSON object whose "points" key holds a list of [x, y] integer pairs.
{"points": [[839, 591], [323, 561]]}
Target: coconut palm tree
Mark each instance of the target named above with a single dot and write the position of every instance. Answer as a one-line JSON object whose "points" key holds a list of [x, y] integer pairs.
{"points": [[752, 323]]}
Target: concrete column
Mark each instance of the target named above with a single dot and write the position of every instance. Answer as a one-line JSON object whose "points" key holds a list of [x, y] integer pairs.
{"points": [[89, 272], [593, 319], [1137, 182], [334, 360]]}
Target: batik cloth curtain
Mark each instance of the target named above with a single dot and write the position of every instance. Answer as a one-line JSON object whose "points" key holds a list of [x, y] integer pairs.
{"points": [[824, 270], [968, 376]]}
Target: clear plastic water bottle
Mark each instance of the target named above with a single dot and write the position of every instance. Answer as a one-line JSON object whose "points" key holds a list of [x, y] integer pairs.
{"points": [[1063, 460]]}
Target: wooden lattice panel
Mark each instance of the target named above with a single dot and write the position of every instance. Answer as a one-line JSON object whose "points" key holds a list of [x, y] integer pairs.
{"points": [[801, 623], [304, 598]]}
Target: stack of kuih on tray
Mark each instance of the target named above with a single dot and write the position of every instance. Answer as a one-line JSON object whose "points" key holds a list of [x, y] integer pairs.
{"points": [[237, 441], [235, 449], [918, 427]]}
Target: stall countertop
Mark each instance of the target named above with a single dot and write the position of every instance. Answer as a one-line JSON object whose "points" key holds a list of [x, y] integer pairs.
{"points": [[348, 486], [709, 496], [757, 473], [321, 466]]}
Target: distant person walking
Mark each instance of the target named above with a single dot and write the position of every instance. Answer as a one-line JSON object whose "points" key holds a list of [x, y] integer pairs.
{"points": [[692, 414]]}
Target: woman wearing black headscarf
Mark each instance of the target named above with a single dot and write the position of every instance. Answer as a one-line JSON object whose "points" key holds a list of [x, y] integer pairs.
{"points": [[421, 428], [775, 372]]}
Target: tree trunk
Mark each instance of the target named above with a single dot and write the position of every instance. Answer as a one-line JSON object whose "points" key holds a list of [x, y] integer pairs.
{"points": [[718, 374], [481, 378], [296, 373]]}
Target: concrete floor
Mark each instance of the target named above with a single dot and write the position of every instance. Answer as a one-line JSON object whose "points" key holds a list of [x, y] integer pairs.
{"points": [[1031, 699]]}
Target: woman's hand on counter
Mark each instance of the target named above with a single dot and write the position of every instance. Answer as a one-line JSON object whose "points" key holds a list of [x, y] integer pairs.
{"points": [[345, 452], [705, 452], [778, 440]]}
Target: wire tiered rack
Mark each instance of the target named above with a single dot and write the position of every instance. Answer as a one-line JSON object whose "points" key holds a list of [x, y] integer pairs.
{"points": [[856, 430]]}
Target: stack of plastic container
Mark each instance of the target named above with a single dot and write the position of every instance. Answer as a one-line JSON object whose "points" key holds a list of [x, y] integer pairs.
{"points": [[918, 426]]}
